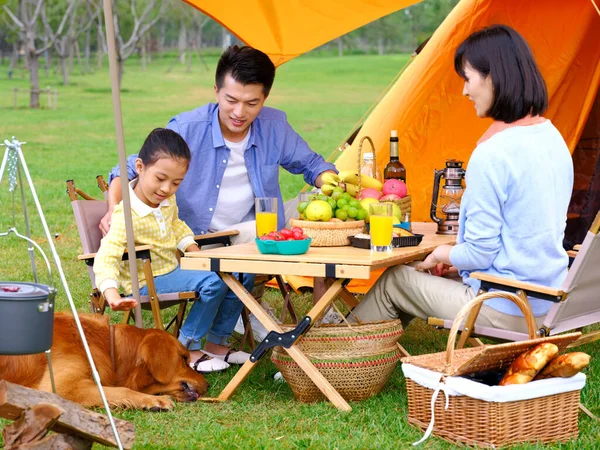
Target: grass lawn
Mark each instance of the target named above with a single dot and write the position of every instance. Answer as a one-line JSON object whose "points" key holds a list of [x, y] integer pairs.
{"points": [[324, 98]]}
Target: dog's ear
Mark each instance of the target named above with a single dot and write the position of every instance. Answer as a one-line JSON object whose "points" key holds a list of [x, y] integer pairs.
{"points": [[161, 355]]}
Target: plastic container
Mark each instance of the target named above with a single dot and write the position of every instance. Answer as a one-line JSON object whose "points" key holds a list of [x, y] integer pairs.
{"points": [[397, 242], [268, 247]]}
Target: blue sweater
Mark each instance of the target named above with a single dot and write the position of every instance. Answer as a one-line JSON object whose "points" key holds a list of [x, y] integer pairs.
{"points": [[514, 209]]}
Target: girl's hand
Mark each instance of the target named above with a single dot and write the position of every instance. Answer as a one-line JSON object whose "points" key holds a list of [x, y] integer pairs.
{"points": [[118, 303], [193, 248]]}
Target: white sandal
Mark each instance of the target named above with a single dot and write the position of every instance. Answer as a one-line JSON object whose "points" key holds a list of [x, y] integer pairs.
{"points": [[208, 364], [231, 357]]}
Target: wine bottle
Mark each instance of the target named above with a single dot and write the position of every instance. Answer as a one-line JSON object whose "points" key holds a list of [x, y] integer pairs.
{"points": [[394, 169]]}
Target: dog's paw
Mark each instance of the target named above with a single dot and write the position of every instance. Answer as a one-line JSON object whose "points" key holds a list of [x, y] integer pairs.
{"points": [[160, 403]]}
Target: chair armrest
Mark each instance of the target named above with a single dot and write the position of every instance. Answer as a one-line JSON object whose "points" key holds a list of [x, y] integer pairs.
{"points": [[139, 248], [527, 287], [219, 237]]}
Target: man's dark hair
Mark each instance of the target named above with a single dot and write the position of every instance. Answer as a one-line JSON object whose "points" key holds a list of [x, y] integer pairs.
{"points": [[246, 65], [519, 88], [162, 142]]}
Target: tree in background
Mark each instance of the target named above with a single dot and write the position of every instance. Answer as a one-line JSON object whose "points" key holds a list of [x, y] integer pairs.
{"points": [[28, 22]]}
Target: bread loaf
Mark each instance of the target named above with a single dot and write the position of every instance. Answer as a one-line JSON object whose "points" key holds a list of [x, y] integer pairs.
{"points": [[528, 364], [565, 366]]}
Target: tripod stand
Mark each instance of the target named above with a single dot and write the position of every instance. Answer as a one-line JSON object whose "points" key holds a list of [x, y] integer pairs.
{"points": [[14, 161]]}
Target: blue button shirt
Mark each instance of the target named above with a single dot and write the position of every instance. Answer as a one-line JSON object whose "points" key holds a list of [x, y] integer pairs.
{"points": [[273, 143]]}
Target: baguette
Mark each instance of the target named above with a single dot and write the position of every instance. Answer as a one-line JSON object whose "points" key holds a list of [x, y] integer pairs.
{"points": [[565, 366], [528, 364]]}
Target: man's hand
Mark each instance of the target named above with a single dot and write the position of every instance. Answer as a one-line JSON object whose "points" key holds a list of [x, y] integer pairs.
{"points": [[118, 303], [114, 197], [105, 222], [319, 180]]}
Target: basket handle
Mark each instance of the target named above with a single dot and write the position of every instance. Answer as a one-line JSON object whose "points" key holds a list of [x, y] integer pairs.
{"points": [[522, 304], [361, 159]]}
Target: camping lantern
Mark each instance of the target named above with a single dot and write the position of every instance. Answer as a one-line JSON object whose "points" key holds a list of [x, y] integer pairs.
{"points": [[448, 201]]}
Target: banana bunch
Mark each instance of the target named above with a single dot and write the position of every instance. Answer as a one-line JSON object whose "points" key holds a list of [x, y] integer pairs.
{"points": [[347, 180]]}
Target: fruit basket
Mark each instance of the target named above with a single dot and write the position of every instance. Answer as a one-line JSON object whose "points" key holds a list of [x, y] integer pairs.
{"points": [[267, 247], [329, 234]]}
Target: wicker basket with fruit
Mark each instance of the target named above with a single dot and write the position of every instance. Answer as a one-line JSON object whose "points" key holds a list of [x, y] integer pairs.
{"points": [[329, 220]]}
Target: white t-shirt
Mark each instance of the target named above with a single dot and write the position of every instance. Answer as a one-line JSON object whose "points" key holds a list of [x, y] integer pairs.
{"points": [[236, 197]]}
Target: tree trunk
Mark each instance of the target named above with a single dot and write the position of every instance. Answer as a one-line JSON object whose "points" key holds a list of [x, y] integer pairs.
{"points": [[120, 63], [100, 45], [86, 52], [78, 54], [64, 70], [143, 51], [226, 39], [161, 38], [182, 42], [69, 44], [380, 45], [13, 60], [34, 99], [340, 45], [189, 62]]}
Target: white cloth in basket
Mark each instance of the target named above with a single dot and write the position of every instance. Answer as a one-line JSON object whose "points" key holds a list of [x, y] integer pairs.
{"points": [[463, 386]]}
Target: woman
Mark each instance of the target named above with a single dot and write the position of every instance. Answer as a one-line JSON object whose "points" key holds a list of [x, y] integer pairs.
{"points": [[513, 212]]}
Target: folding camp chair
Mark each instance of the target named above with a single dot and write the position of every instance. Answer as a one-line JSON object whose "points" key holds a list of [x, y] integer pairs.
{"points": [[88, 213], [576, 303]]}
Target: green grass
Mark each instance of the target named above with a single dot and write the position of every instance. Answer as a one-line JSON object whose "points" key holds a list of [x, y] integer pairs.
{"points": [[324, 98]]}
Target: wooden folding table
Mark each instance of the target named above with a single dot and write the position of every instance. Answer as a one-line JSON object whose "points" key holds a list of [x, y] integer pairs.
{"points": [[339, 264]]}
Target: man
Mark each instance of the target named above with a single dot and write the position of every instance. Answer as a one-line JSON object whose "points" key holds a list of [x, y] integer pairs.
{"points": [[237, 147]]}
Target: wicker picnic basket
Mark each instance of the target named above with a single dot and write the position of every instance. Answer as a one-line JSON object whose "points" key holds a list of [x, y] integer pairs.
{"points": [[329, 234], [356, 359], [490, 424]]}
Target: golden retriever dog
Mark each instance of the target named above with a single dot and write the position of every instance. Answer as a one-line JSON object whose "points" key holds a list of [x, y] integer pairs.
{"points": [[146, 369]]}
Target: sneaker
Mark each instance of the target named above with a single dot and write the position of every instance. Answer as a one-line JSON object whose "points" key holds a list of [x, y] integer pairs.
{"points": [[239, 326], [258, 329], [332, 316], [279, 377]]}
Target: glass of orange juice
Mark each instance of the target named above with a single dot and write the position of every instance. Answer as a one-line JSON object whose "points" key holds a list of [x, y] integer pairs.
{"points": [[381, 223], [266, 215]]}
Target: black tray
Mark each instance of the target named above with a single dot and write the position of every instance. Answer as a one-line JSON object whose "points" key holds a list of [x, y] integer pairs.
{"points": [[397, 242]]}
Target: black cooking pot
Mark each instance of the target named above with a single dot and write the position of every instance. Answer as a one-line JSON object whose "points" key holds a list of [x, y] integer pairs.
{"points": [[26, 317]]}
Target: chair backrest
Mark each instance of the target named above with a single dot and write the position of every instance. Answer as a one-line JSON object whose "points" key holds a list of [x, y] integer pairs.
{"points": [[582, 285], [88, 213]]}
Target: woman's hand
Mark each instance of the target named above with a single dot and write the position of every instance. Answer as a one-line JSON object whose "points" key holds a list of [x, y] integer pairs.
{"points": [[438, 262]]}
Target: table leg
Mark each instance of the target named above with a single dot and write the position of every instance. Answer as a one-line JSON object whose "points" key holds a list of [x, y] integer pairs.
{"points": [[296, 354]]}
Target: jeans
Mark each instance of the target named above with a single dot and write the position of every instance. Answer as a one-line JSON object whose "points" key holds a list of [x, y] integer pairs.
{"points": [[214, 314]]}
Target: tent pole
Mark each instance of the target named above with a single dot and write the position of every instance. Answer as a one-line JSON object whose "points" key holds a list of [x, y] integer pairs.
{"points": [[116, 97]]}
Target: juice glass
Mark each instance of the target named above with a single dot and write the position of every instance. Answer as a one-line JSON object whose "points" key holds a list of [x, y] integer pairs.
{"points": [[266, 215], [381, 220]]}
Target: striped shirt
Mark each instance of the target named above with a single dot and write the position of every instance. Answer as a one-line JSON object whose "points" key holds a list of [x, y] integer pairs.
{"points": [[159, 227]]}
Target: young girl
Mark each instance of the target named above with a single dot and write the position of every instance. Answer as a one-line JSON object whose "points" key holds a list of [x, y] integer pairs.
{"points": [[161, 165]]}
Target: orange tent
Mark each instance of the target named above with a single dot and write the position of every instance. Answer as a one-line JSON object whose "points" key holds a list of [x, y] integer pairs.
{"points": [[426, 106], [288, 28]]}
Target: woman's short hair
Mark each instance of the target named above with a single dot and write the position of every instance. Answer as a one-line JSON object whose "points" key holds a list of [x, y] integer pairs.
{"points": [[519, 88]]}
